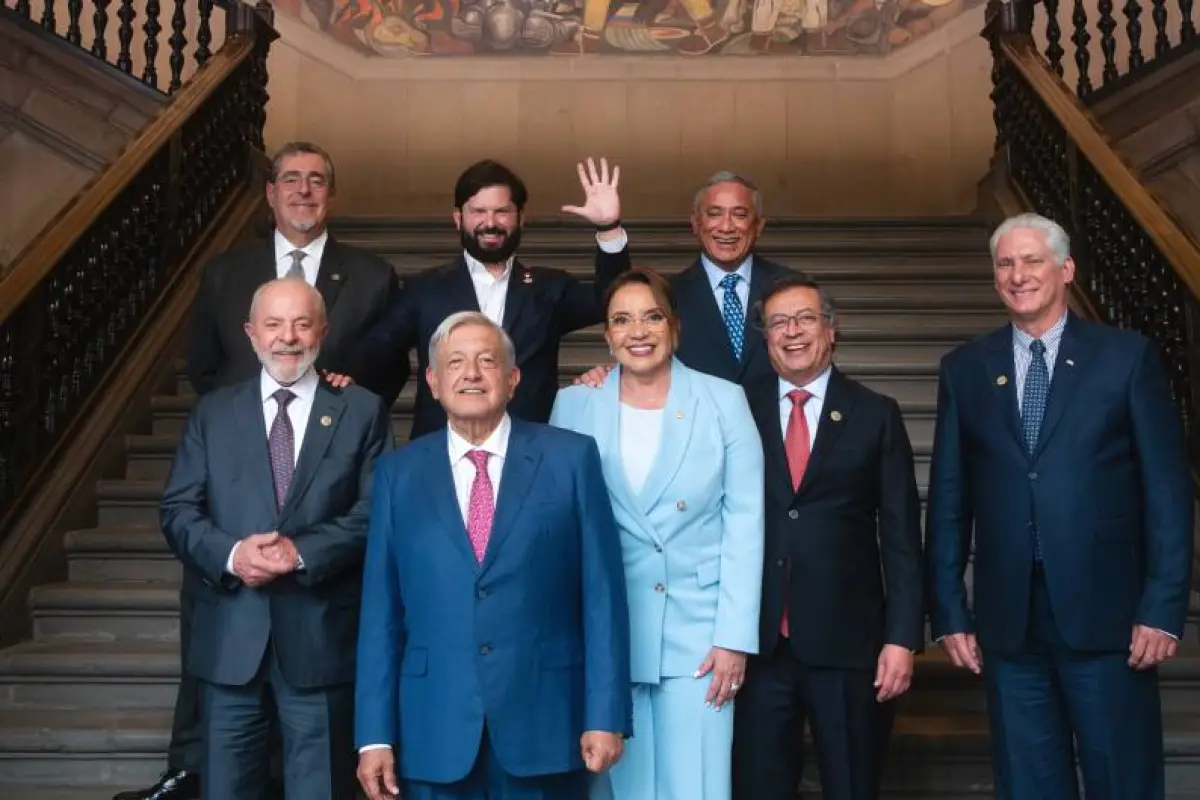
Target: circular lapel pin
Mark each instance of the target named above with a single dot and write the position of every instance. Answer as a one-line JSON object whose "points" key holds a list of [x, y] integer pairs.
{"points": [[1003, 379], [326, 421]]}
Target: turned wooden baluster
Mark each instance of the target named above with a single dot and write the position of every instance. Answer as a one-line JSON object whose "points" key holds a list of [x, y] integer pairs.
{"points": [[100, 23], [23, 8], [48, 21], [1080, 38], [1108, 45], [152, 29], [1162, 42], [204, 34], [1054, 51], [1133, 29], [1187, 29], [177, 41], [125, 35], [74, 12]]}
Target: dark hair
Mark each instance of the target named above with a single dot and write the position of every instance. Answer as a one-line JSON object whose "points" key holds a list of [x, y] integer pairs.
{"points": [[303, 148], [659, 287], [484, 174], [794, 280]]}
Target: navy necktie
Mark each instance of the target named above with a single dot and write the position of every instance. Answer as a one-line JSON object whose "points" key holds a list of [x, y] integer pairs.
{"points": [[281, 442], [1033, 410], [734, 314]]}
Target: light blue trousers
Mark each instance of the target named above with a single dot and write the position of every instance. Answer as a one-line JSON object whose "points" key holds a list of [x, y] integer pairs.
{"points": [[681, 749]]}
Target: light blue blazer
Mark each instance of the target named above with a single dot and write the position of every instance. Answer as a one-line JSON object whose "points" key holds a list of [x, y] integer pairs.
{"points": [[692, 539]]}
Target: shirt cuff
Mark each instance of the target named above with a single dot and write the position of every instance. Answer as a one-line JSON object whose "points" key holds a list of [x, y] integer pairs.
{"points": [[1166, 633], [299, 561], [616, 245], [365, 748], [229, 561]]}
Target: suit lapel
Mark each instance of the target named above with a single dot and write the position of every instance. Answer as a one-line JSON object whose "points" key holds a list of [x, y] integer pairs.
{"points": [[519, 290], [678, 418], [1001, 380], [753, 344], [1072, 351], [248, 410], [323, 421], [439, 489], [331, 275], [460, 287], [701, 305], [764, 405], [607, 405], [520, 468], [836, 413]]}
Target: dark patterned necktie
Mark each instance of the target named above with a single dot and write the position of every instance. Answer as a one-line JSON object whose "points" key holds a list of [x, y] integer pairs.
{"points": [[733, 313], [282, 444], [1033, 410]]}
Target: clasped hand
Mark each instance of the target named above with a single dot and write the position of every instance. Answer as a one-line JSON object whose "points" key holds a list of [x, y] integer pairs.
{"points": [[262, 557]]}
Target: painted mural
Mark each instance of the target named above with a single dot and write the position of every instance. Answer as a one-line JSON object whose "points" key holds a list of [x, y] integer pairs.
{"points": [[399, 28]]}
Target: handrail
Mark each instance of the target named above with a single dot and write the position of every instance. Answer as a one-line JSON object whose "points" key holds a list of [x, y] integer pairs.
{"points": [[1084, 131], [32, 266]]}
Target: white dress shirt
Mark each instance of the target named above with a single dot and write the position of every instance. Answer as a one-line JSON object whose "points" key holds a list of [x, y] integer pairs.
{"points": [[716, 275], [640, 432], [312, 256], [491, 291], [463, 471], [298, 411], [817, 387]]}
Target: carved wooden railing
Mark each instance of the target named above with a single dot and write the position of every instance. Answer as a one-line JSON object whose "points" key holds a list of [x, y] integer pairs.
{"points": [[131, 37], [1106, 49], [1137, 268], [77, 293]]}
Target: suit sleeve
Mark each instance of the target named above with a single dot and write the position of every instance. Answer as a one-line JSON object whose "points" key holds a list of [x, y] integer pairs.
{"points": [[380, 362], [743, 528], [381, 627], [190, 531], [205, 353], [565, 413], [948, 519], [1168, 492], [332, 547], [582, 305], [608, 701], [900, 536]]}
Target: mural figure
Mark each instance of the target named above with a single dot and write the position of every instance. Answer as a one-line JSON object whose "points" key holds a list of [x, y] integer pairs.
{"points": [[399, 28]]}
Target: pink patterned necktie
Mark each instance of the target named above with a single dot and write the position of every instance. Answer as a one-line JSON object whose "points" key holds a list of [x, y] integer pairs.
{"points": [[482, 505]]}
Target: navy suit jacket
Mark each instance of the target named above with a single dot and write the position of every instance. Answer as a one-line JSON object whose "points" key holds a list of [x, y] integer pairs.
{"points": [[543, 305], [534, 641], [703, 341], [220, 490], [1108, 488]]}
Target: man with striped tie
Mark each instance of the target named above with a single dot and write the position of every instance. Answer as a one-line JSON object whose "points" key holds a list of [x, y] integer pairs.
{"points": [[1059, 450]]}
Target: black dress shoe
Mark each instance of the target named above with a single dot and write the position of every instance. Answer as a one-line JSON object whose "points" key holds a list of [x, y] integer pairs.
{"points": [[175, 784]]}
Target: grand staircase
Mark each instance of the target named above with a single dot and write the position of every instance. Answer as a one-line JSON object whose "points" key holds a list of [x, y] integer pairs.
{"points": [[86, 702]]}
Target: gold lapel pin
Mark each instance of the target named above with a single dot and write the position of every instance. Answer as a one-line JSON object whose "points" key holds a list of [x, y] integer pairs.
{"points": [[326, 421], [335, 277], [678, 415], [1003, 379], [835, 415], [527, 278]]}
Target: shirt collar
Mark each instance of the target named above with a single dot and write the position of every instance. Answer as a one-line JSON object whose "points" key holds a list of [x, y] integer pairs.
{"points": [[816, 387], [304, 389], [1023, 340], [313, 249], [716, 274], [496, 444], [477, 269]]}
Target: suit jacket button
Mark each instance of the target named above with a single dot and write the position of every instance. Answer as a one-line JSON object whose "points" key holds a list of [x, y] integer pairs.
{"points": [[793, 514], [681, 505], [658, 587], [1033, 476], [482, 593], [485, 649], [780, 563], [658, 548]]}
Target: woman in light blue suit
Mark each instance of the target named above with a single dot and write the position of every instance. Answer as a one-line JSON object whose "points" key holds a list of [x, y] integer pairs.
{"points": [[684, 468]]}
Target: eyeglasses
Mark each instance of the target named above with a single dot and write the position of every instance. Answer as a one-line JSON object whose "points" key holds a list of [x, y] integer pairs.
{"points": [[294, 180], [805, 320], [655, 320]]}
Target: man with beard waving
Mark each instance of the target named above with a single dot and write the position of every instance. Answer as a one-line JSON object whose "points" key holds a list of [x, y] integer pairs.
{"points": [[535, 305]]}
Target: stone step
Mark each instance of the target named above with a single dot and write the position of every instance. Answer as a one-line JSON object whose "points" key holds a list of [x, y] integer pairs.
{"points": [[82, 748], [124, 553], [106, 611], [113, 675]]}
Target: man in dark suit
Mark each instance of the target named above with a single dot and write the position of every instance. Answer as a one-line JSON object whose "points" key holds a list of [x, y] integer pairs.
{"points": [[267, 504], [355, 286], [535, 305], [1057, 444], [842, 613], [493, 657]]}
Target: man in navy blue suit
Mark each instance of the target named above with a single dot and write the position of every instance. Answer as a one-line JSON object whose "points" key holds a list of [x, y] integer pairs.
{"points": [[1058, 445], [494, 643]]}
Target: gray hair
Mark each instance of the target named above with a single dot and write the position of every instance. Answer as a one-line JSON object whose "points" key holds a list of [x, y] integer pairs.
{"points": [[461, 318], [318, 298], [726, 176], [1056, 237], [303, 148]]}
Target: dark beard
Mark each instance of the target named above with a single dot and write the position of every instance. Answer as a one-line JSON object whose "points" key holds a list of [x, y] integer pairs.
{"points": [[491, 255]]}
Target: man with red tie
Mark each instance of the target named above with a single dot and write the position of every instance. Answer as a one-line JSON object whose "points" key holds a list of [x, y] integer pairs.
{"points": [[843, 522]]}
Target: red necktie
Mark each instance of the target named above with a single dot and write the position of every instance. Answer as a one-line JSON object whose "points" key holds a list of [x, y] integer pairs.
{"points": [[796, 446], [481, 505]]}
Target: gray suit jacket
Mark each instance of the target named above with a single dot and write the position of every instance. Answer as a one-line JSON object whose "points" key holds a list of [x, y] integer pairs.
{"points": [[220, 490]]}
